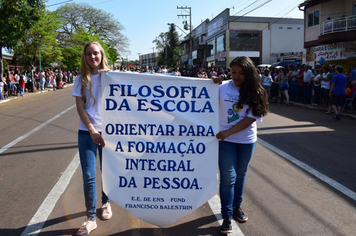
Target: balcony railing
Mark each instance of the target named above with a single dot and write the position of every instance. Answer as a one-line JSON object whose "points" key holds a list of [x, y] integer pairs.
{"points": [[341, 24]]}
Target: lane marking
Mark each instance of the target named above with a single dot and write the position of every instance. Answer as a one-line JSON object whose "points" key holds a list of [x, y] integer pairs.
{"points": [[348, 192], [39, 219], [215, 206], [9, 145]]}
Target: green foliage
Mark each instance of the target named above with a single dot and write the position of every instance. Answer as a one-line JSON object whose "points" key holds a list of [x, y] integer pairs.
{"points": [[167, 44], [92, 21], [16, 17], [74, 48], [41, 36], [112, 55]]}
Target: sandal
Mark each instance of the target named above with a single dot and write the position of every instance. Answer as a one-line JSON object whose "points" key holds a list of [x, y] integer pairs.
{"points": [[88, 226], [106, 212]]}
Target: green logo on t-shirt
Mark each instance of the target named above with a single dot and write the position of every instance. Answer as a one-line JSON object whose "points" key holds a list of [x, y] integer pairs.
{"points": [[233, 113]]}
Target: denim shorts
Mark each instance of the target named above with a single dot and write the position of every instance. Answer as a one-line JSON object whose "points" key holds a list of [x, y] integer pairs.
{"points": [[337, 99], [283, 86]]}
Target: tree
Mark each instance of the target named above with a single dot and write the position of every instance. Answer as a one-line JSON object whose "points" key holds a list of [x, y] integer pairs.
{"points": [[112, 55], [41, 36], [93, 22], [168, 47], [161, 42], [16, 17], [72, 53]]}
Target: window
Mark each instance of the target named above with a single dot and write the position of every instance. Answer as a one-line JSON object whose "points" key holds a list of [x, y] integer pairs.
{"points": [[289, 28], [220, 44], [355, 9], [244, 41], [211, 48], [280, 27], [313, 18]]}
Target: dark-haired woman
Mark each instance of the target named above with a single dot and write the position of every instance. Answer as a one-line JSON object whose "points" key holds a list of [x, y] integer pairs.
{"points": [[242, 102]]}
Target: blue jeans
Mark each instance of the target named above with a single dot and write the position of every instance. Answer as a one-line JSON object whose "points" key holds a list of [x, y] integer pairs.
{"points": [[294, 93], [307, 92], [22, 91], [87, 154], [234, 159]]}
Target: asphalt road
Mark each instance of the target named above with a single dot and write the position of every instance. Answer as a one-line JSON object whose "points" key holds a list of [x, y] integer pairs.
{"points": [[301, 181]]}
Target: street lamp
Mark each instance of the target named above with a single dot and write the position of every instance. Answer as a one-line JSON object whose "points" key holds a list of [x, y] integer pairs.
{"points": [[39, 53]]}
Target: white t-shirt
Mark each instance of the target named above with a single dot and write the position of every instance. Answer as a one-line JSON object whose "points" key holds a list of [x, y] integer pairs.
{"points": [[315, 79], [93, 110], [308, 75], [325, 84], [229, 114]]}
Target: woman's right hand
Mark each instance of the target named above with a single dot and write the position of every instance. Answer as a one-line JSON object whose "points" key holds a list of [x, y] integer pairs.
{"points": [[97, 138]]}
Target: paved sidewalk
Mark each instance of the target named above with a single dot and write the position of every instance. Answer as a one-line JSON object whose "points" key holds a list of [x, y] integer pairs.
{"points": [[11, 98]]}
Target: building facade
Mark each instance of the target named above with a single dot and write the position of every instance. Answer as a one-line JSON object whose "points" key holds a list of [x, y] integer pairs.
{"points": [[265, 40], [148, 59], [330, 32]]}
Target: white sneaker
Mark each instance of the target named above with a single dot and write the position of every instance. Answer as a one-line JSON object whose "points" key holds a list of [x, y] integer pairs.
{"points": [[106, 212], [87, 227]]}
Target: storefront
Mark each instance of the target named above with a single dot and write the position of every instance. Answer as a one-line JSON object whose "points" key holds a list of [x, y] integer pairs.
{"points": [[340, 54]]}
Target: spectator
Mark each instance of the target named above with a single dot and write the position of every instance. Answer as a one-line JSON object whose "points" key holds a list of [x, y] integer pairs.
{"points": [[337, 92], [316, 80], [2, 83], [283, 86], [307, 84], [293, 78], [325, 86], [164, 70], [13, 88], [201, 73], [212, 73], [22, 82], [275, 85], [267, 82], [176, 72]]}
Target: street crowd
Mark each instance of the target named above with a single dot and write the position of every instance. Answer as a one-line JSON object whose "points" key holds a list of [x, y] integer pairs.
{"points": [[324, 86], [296, 83], [16, 82]]}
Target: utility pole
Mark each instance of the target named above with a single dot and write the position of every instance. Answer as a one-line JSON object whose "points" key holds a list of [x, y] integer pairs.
{"points": [[188, 12]]}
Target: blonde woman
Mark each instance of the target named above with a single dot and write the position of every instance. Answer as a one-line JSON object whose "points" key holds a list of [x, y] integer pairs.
{"points": [[86, 91]]}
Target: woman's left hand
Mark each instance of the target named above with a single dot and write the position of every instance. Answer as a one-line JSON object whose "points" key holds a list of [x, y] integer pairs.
{"points": [[222, 135], [105, 70], [217, 79]]}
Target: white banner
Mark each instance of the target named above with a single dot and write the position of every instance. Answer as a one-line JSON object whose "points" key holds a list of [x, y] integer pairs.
{"points": [[160, 161]]}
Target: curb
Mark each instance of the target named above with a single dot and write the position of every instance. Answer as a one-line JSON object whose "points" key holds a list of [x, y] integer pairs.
{"points": [[31, 94], [344, 114]]}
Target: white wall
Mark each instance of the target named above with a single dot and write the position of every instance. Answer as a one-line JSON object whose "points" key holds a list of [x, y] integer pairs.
{"points": [[286, 40], [266, 47]]}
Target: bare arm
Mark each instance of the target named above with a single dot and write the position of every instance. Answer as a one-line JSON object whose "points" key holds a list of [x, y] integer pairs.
{"points": [[243, 124], [94, 134], [331, 88]]}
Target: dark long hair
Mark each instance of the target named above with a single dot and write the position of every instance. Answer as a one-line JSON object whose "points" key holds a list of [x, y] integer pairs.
{"points": [[251, 92]]}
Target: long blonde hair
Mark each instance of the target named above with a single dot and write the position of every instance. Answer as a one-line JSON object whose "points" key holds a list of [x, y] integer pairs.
{"points": [[85, 69]]}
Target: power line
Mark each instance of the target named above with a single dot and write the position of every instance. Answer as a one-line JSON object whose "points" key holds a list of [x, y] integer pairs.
{"points": [[59, 3]]}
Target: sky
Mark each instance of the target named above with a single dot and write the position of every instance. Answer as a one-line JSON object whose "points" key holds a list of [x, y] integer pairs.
{"points": [[144, 20]]}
